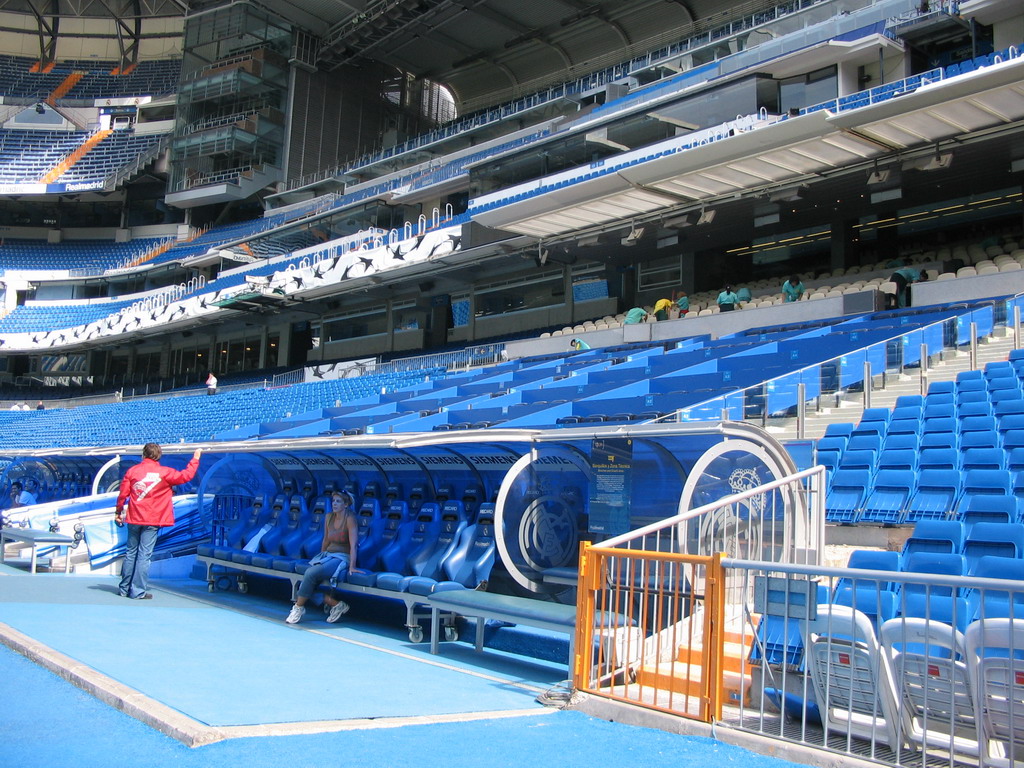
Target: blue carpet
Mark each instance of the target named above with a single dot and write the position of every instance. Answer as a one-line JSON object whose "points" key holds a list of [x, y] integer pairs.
{"points": [[223, 668], [49, 722]]}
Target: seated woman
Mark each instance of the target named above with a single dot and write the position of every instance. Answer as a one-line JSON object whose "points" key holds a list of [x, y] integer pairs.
{"points": [[337, 556]]}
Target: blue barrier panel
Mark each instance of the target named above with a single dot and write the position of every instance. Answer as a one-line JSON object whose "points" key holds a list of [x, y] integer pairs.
{"points": [[783, 393]]}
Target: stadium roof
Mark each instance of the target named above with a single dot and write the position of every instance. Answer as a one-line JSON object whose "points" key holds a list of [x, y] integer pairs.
{"points": [[477, 48]]}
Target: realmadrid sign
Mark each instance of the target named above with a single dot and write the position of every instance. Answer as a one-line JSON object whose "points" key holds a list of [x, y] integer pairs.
{"points": [[547, 534]]}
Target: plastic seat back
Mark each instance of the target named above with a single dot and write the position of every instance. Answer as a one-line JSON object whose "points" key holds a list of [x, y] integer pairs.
{"points": [[999, 539], [935, 536], [935, 563], [471, 560], [370, 526], [413, 536], [427, 561], [236, 536]]}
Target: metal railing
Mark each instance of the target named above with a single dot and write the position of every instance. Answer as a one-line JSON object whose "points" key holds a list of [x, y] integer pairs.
{"points": [[848, 371], [903, 667], [656, 612]]}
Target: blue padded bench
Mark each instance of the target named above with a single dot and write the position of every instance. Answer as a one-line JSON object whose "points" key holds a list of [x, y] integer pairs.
{"points": [[556, 617]]}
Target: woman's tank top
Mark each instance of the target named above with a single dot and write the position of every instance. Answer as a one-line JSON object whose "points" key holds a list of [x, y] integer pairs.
{"points": [[337, 533]]}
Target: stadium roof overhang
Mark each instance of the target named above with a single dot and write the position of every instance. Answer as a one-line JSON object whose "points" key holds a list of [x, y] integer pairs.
{"points": [[794, 152]]}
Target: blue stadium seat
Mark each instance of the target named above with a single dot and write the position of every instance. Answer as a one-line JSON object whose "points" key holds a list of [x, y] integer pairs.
{"points": [[886, 501], [983, 458], [999, 539], [935, 536], [898, 459], [872, 560], [939, 458], [936, 563], [845, 497]]}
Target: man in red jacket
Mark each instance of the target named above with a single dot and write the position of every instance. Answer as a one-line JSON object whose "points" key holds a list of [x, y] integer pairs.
{"points": [[148, 489]]}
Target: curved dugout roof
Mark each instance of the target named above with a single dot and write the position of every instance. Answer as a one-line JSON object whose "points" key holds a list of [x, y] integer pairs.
{"points": [[551, 488]]}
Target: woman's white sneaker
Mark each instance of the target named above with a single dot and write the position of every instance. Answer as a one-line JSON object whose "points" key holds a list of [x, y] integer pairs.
{"points": [[296, 614], [338, 610]]}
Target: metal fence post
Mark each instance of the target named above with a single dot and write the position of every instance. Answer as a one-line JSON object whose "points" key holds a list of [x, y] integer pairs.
{"points": [[974, 346], [801, 409], [867, 383], [924, 370], [1016, 326]]}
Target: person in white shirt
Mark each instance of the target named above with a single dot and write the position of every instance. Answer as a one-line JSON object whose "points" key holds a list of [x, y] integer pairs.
{"points": [[211, 384], [20, 497]]}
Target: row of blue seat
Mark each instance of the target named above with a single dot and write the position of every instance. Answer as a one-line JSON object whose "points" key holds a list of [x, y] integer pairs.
{"points": [[895, 496], [401, 554]]}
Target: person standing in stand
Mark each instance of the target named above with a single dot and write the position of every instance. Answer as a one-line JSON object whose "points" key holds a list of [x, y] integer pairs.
{"points": [[148, 489], [211, 384]]}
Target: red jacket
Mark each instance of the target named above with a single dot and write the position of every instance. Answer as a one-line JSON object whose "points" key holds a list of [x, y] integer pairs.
{"points": [[147, 487]]}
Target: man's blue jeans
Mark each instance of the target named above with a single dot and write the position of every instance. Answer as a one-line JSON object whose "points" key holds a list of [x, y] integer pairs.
{"points": [[135, 571]]}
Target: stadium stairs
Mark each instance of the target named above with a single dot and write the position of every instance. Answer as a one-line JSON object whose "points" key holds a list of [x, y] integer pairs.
{"points": [[849, 406]]}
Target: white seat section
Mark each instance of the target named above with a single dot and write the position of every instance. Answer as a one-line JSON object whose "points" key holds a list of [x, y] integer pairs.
{"points": [[995, 660], [927, 658], [853, 683]]}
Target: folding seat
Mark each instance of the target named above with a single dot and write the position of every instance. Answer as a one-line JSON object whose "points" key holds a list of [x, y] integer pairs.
{"points": [[906, 412], [988, 602], [874, 415], [936, 410], [904, 427], [973, 375], [927, 659], [1005, 406], [845, 497], [989, 509], [976, 424], [972, 396], [993, 650], [851, 676], [872, 560], [939, 458], [837, 444], [1014, 445], [871, 599], [893, 458], [935, 536], [939, 424], [839, 430], [859, 460], [938, 491], [982, 458], [982, 408], [1000, 539], [1010, 421], [981, 482], [907, 400], [936, 563], [865, 442], [904, 441], [888, 496], [987, 439]]}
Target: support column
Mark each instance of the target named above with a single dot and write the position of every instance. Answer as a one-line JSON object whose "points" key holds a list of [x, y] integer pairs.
{"points": [[845, 245]]}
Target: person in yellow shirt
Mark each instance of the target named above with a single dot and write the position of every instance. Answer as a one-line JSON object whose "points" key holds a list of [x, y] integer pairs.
{"points": [[661, 307]]}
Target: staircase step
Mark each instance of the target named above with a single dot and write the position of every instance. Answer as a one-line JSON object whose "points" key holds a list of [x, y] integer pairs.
{"points": [[733, 657], [686, 679]]}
